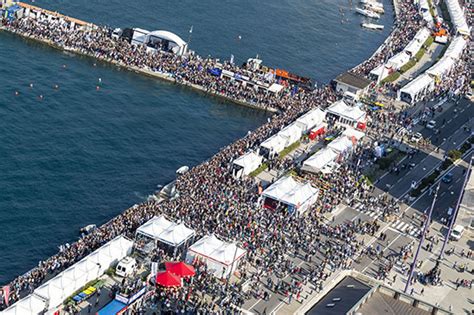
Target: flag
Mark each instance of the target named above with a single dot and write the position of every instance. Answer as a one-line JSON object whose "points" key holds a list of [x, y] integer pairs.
{"points": [[191, 29], [6, 294]]}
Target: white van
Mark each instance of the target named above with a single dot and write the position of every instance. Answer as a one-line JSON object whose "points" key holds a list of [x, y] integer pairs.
{"points": [[126, 266], [457, 232]]}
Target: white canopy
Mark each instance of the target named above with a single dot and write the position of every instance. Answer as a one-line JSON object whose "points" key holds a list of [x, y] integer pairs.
{"points": [[318, 161], [275, 88], [341, 144], [291, 133], [443, 66], [341, 109], [162, 230], [218, 255], [248, 163], [415, 44], [426, 11], [312, 118], [352, 133], [275, 144], [30, 305], [398, 60], [457, 16], [177, 44], [417, 88], [456, 48], [292, 193], [56, 290], [139, 36]]}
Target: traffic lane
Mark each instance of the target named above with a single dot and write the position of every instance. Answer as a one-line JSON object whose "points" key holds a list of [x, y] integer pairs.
{"points": [[348, 214], [392, 177]]}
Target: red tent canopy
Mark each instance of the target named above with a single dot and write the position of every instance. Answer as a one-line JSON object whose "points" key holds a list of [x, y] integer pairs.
{"points": [[180, 269], [167, 279]]}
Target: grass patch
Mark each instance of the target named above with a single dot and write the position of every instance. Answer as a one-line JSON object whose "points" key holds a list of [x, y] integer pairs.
{"points": [[260, 169], [288, 149], [418, 55], [392, 77]]}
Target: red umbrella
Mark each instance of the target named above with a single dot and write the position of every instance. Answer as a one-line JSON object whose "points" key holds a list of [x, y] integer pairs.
{"points": [[167, 279], [180, 269]]}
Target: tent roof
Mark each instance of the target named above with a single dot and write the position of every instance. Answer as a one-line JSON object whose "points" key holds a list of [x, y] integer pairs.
{"points": [[418, 84], [443, 66], [154, 227], [340, 108], [398, 60], [377, 70], [211, 247], [30, 305], [172, 37], [247, 159], [415, 44], [457, 16], [275, 88], [340, 144], [351, 132], [289, 191], [159, 228], [312, 118], [320, 159], [290, 130], [456, 48], [273, 142]]}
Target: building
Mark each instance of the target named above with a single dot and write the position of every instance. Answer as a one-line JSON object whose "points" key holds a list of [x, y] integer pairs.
{"points": [[352, 85]]}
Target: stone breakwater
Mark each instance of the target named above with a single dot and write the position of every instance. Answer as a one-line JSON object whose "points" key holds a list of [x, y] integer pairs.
{"points": [[207, 187]]}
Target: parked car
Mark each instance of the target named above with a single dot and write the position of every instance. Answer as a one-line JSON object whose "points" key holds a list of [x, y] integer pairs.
{"points": [[448, 178], [431, 124], [416, 137], [457, 232]]}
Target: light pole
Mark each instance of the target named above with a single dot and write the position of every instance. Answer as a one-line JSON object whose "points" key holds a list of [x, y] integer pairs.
{"points": [[456, 210], [422, 238]]}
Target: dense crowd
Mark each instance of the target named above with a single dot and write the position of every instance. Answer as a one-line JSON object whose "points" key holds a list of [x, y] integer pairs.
{"points": [[211, 200]]}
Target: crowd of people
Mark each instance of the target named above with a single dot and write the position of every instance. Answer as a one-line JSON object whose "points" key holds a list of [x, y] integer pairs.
{"points": [[211, 200]]}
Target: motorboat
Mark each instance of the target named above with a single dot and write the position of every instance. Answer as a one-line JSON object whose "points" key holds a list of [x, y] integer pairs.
{"points": [[373, 8], [367, 13], [88, 229], [182, 170], [372, 26], [372, 3]]}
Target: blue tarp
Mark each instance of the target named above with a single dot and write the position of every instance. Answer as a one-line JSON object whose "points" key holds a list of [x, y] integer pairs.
{"points": [[215, 71], [112, 308]]}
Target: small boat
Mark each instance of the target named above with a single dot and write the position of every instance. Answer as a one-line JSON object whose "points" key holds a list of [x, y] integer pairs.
{"points": [[367, 13], [182, 170], [372, 26], [88, 229], [372, 3], [375, 9]]}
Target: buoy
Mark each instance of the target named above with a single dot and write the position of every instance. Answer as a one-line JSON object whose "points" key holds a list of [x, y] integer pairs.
{"points": [[31, 85], [95, 65], [97, 88], [56, 86], [17, 93], [64, 66], [41, 96], [100, 79]]}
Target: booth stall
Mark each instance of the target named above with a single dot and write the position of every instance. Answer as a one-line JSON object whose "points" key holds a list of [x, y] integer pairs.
{"points": [[246, 164], [166, 41], [398, 61], [296, 196], [442, 67], [456, 13], [317, 131], [417, 42], [272, 146], [291, 133], [275, 88], [220, 257], [353, 134], [415, 90], [311, 119], [341, 145], [30, 305], [347, 115], [456, 48], [321, 161]]}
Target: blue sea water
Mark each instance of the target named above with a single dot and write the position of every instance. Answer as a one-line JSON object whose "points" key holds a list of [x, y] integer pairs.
{"points": [[80, 156]]}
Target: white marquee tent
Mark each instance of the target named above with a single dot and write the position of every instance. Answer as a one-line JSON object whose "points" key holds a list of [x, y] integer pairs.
{"points": [[379, 73], [352, 133], [246, 164], [320, 161], [349, 115], [56, 290], [220, 257], [272, 146], [294, 194], [415, 90], [425, 7], [457, 16], [167, 232], [310, 119], [291, 133], [275, 88], [176, 44], [456, 48], [442, 67], [415, 44], [398, 60], [341, 145], [30, 305]]}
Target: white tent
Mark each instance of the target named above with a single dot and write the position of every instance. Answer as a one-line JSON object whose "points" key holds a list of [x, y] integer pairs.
{"points": [[398, 60], [352, 133], [220, 257], [415, 90], [246, 164], [56, 290], [291, 133], [275, 88], [341, 144], [139, 36], [456, 48], [425, 7], [174, 43], [296, 195], [312, 118], [379, 73], [415, 44], [162, 230], [457, 17], [319, 161], [442, 67], [349, 115], [272, 146], [30, 305]]}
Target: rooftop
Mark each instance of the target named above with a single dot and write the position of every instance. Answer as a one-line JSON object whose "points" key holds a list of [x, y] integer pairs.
{"points": [[353, 79]]}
